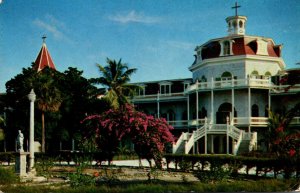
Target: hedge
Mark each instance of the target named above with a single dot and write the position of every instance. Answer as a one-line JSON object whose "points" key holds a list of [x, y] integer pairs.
{"points": [[262, 165]]}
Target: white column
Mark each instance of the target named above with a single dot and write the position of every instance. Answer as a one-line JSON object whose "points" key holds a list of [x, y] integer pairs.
{"points": [[212, 101], [249, 107], [269, 101], [232, 100], [188, 111], [227, 136], [197, 106], [31, 97], [212, 144], [205, 136]]}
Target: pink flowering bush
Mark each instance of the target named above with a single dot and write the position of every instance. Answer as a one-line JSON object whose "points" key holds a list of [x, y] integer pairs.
{"points": [[149, 135], [285, 140]]}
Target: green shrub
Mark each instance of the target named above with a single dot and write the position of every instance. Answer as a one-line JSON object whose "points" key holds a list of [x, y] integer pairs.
{"points": [[217, 172], [7, 176], [185, 165], [78, 178]]}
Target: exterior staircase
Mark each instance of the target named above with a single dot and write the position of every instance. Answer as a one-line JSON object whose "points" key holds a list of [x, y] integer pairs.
{"points": [[245, 142], [244, 147]]}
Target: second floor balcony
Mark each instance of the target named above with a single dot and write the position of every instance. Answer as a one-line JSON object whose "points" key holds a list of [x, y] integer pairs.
{"points": [[229, 83], [159, 97]]}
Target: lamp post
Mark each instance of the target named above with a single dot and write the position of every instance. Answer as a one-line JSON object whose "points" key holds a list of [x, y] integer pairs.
{"points": [[31, 97]]}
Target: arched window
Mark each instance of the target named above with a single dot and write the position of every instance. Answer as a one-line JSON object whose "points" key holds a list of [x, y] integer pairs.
{"points": [[226, 48], [202, 113], [254, 74], [234, 24], [170, 115], [226, 76], [203, 79], [241, 24], [268, 74], [254, 111]]}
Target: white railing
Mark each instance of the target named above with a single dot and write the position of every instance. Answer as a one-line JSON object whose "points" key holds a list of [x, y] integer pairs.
{"points": [[234, 132], [259, 120], [178, 123], [178, 143], [158, 96], [217, 127], [255, 82], [295, 121], [190, 143], [286, 88], [194, 122], [253, 141], [238, 143], [250, 120], [199, 133]]}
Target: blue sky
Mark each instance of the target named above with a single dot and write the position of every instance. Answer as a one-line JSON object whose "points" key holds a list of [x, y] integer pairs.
{"points": [[157, 37]]}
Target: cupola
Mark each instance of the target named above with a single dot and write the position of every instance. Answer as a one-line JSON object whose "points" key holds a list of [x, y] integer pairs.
{"points": [[236, 24]]}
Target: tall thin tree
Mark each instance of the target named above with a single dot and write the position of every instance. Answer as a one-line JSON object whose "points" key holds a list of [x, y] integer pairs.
{"points": [[49, 100]]}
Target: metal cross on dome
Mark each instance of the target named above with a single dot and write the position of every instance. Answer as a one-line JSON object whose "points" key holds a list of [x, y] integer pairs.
{"points": [[236, 8]]}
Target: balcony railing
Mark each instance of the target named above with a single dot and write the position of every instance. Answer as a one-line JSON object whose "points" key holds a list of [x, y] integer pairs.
{"points": [[254, 121], [180, 123], [250, 120], [253, 82], [286, 88], [158, 96]]}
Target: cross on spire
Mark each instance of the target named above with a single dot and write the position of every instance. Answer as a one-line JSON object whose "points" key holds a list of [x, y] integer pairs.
{"points": [[236, 8], [44, 38]]}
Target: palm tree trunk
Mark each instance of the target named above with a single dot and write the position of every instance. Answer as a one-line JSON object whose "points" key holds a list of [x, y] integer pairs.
{"points": [[43, 132]]}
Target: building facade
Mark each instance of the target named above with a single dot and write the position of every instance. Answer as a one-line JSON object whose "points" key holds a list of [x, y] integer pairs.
{"points": [[224, 108]]}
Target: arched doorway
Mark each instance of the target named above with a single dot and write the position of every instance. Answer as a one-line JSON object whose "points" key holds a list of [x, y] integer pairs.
{"points": [[223, 112]]}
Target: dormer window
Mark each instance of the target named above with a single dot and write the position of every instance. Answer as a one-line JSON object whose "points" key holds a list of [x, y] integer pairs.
{"points": [[226, 48], [165, 88], [141, 90]]}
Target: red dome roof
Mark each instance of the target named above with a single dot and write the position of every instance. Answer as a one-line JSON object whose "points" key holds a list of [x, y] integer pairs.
{"points": [[241, 45]]}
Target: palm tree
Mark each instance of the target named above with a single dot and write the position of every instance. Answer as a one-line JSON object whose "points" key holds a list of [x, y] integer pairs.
{"points": [[115, 76], [48, 99]]}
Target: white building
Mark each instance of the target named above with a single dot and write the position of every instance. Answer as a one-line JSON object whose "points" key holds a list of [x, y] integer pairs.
{"points": [[224, 107]]}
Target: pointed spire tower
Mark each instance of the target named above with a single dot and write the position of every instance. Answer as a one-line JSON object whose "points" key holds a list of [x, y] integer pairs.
{"points": [[43, 59]]}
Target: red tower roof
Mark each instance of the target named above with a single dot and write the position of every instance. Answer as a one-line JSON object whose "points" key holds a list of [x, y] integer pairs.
{"points": [[43, 59]]}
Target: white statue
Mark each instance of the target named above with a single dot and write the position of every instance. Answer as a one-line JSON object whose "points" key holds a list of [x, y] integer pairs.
{"points": [[20, 140]]}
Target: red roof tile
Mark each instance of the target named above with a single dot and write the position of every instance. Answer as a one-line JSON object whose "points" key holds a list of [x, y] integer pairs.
{"points": [[44, 59]]}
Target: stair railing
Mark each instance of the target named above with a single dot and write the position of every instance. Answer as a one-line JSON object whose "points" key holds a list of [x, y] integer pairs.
{"points": [[238, 143], [199, 133], [179, 142], [189, 143], [253, 141]]}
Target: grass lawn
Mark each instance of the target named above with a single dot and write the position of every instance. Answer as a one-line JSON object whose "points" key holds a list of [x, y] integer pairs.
{"points": [[266, 185]]}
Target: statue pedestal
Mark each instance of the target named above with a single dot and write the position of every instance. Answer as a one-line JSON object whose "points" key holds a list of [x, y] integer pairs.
{"points": [[20, 166]]}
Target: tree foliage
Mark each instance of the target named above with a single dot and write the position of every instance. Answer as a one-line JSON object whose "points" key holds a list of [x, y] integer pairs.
{"points": [[149, 135], [115, 77], [69, 92]]}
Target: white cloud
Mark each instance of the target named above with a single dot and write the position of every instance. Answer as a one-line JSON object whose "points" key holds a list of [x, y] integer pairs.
{"points": [[53, 26], [133, 17], [181, 45]]}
